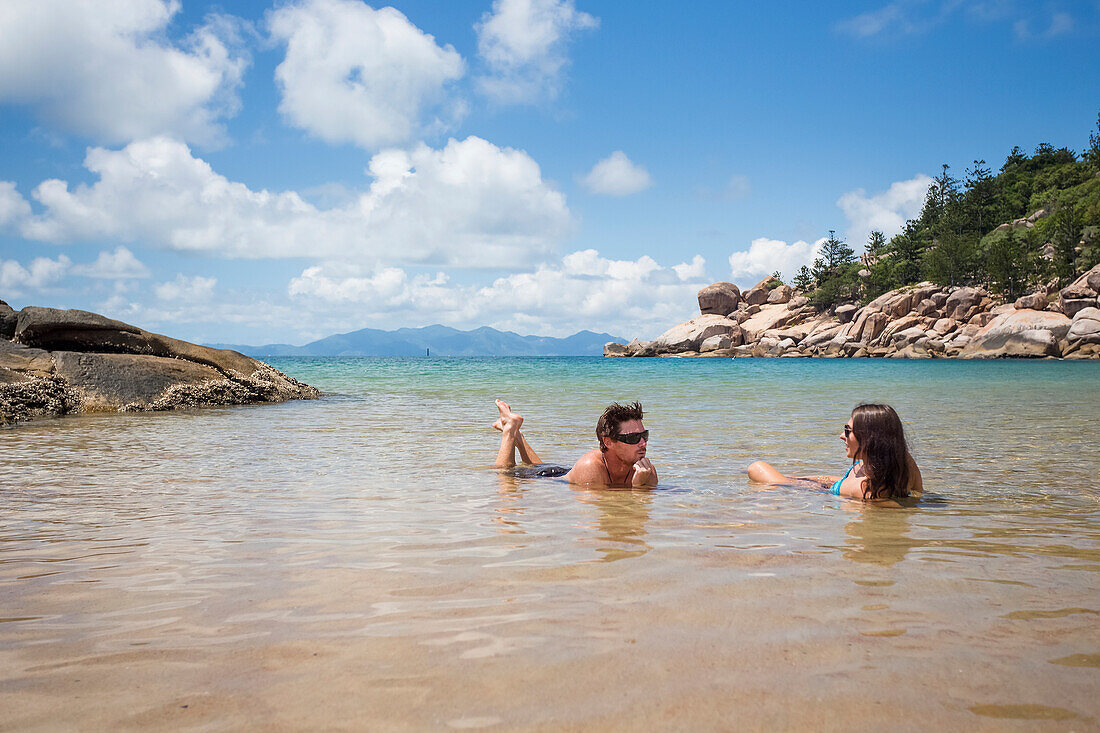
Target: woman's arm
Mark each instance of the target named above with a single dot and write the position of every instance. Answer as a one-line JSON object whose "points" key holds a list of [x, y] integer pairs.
{"points": [[826, 481], [765, 473]]}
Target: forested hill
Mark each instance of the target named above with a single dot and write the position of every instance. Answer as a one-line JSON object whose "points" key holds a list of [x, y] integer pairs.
{"points": [[440, 340], [1033, 225]]}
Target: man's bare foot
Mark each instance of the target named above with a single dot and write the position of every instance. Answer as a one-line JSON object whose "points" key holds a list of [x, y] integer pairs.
{"points": [[508, 419]]}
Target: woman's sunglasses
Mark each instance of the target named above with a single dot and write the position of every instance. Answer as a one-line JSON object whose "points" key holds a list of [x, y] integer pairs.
{"points": [[632, 438], [847, 431]]}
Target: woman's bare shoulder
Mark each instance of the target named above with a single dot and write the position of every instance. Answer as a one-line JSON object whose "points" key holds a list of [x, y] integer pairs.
{"points": [[916, 481]]}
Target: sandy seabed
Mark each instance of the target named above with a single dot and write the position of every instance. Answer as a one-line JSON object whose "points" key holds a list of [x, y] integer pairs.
{"points": [[353, 563]]}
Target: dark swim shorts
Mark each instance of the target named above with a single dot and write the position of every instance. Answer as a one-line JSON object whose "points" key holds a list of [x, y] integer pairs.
{"points": [[541, 470]]}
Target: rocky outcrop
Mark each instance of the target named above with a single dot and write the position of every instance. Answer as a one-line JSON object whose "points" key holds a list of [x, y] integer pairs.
{"points": [[1083, 337], [1019, 333], [1081, 294], [8, 317], [719, 299], [1085, 327], [690, 335], [918, 321], [56, 362], [758, 294]]}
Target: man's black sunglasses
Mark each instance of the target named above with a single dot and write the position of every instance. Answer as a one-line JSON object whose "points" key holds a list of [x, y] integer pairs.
{"points": [[632, 438]]}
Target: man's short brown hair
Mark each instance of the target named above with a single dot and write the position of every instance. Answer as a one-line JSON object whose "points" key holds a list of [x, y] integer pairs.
{"points": [[612, 419]]}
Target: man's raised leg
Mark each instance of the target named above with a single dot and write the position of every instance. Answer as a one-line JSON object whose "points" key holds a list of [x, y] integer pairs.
{"points": [[511, 438]]}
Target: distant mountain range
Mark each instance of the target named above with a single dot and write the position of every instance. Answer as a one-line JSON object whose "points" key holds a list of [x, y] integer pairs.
{"points": [[439, 341]]}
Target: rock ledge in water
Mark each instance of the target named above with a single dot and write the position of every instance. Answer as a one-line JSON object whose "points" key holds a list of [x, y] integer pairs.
{"points": [[55, 362]]}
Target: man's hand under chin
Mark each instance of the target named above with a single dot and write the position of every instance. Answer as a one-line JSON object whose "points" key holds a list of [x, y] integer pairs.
{"points": [[644, 473]]}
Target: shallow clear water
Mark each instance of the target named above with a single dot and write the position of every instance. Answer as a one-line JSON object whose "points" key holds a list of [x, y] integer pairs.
{"points": [[354, 562]]}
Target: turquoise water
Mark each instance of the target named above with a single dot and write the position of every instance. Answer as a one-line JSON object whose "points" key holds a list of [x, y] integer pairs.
{"points": [[967, 421], [354, 561]]}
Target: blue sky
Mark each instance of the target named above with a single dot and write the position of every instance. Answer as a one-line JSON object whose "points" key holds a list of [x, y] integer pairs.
{"points": [[252, 172]]}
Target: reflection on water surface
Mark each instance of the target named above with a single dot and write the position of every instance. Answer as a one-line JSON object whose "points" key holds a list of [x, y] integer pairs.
{"points": [[353, 562]]}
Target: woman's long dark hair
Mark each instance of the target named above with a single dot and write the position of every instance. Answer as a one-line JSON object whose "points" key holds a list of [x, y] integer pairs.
{"points": [[883, 450]]}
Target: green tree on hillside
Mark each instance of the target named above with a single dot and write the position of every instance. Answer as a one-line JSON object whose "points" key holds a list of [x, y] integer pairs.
{"points": [[835, 254], [951, 260], [979, 201], [1065, 233], [1010, 259], [957, 237], [1092, 153], [1015, 157], [907, 253], [834, 273], [876, 244], [880, 266], [804, 280], [940, 201]]}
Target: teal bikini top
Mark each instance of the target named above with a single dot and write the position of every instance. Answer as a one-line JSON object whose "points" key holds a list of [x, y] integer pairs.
{"points": [[836, 486]]}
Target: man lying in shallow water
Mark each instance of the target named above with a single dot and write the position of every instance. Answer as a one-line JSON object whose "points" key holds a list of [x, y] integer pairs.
{"points": [[619, 462]]}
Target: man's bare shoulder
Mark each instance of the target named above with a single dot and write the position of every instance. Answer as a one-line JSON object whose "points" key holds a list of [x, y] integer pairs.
{"points": [[589, 469]]}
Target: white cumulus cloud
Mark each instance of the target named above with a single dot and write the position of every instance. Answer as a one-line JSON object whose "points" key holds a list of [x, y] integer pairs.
{"points": [[523, 45], [469, 204], [588, 263], [583, 291], [696, 269], [13, 207], [187, 289], [617, 175], [765, 256], [359, 75], [117, 265], [105, 70], [887, 211], [42, 272], [384, 286]]}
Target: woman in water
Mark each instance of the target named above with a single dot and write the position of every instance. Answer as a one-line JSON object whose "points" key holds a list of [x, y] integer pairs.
{"points": [[881, 469]]}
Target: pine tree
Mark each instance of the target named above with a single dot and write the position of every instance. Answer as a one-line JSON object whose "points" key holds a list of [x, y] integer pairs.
{"points": [[834, 272], [804, 281], [835, 253], [951, 261], [876, 245], [907, 252], [1065, 233], [1010, 262], [1092, 153], [943, 192], [979, 200], [1015, 158]]}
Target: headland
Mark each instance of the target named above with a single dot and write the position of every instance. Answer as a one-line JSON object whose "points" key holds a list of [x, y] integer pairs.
{"points": [[921, 321], [56, 362]]}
